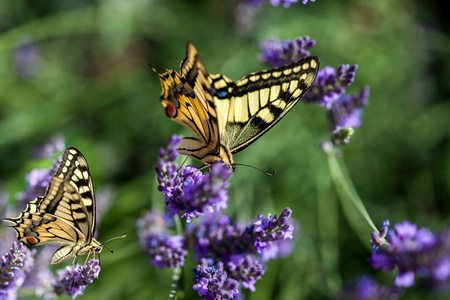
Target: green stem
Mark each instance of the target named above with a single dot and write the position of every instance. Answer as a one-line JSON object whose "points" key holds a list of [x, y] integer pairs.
{"points": [[348, 195], [177, 272]]}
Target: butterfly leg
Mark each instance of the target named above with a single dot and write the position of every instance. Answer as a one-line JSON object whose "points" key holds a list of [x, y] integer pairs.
{"points": [[182, 164], [74, 263], [91, 252]]}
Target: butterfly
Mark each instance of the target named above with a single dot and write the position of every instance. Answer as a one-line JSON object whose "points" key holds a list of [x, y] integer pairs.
{"points": [[65, 216], [228, 116]]}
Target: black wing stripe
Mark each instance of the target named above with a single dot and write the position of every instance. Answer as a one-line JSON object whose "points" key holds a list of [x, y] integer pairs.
{"points": [[286, 85]]}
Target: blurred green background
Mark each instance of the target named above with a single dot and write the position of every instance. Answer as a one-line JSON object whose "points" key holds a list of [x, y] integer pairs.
{"points": [[88, 79]]}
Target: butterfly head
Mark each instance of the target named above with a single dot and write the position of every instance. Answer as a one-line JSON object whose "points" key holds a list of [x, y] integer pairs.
{"points": [[94, 247]]}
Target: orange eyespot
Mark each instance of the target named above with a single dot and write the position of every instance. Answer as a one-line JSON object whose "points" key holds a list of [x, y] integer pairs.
{"points": [[171, 111], [32, 240]]}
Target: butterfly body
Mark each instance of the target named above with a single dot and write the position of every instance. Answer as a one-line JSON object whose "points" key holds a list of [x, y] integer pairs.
{"points": [[65, 216], [228, 116]]}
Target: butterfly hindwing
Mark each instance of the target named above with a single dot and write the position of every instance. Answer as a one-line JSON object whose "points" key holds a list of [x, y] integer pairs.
{"points": [[64, 202]]}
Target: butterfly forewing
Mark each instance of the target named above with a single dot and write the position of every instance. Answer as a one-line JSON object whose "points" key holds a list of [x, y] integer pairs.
{"points": [[74, 169], [256, 102]]}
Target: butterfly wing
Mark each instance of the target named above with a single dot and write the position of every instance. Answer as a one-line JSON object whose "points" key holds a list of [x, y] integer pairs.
{"points": [[74, 170], [187, 99], [255, 103], [66, 214], [51, 223]]}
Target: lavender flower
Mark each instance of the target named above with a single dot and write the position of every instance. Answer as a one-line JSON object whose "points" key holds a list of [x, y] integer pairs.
{"points": [[368, 289], [56, 144], [40, 276], [25, 58], [247, 269], [254, 2], [379, 238], [267, 231], [13, 268], [5, 210], [212, 282], [286, 3], [191, 193], [244, 15], [104, 196], [344, 111], [240, 248], [37, 182], [163, 249], [345, 116], [330, 84], [228, 254], [414, 252], [73, 281], [275, 53], [215, 237]]}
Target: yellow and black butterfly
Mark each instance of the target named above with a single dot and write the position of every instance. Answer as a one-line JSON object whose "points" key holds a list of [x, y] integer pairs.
{"points": [[227, 116], [65, 216]]}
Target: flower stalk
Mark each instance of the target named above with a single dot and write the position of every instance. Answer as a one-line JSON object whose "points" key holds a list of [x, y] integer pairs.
{"points": [[348, 194]]}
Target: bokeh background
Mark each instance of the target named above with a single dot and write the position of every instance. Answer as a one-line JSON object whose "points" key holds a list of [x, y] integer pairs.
{"points": [[80, 69]]}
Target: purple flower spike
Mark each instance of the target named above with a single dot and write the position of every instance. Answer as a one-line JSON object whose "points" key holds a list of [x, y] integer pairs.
{"points": [[205, 192], [275, 53], [215, 237], [345, 116], [37, 182], [369, 289], [415, 252], [191, 193], [330, 84], [286, 3], [166, 168], [254, 2], [266, 231], [212, 282], [379, 239], [26, 56], [164, 250], [73, 281], [14, 267], [246, 269], [56, 144]]}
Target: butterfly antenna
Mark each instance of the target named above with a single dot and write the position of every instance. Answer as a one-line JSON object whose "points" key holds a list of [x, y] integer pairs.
{"points": [[264, 172], [114, 238], [152, 67], [204, 167], [182, 164]]}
